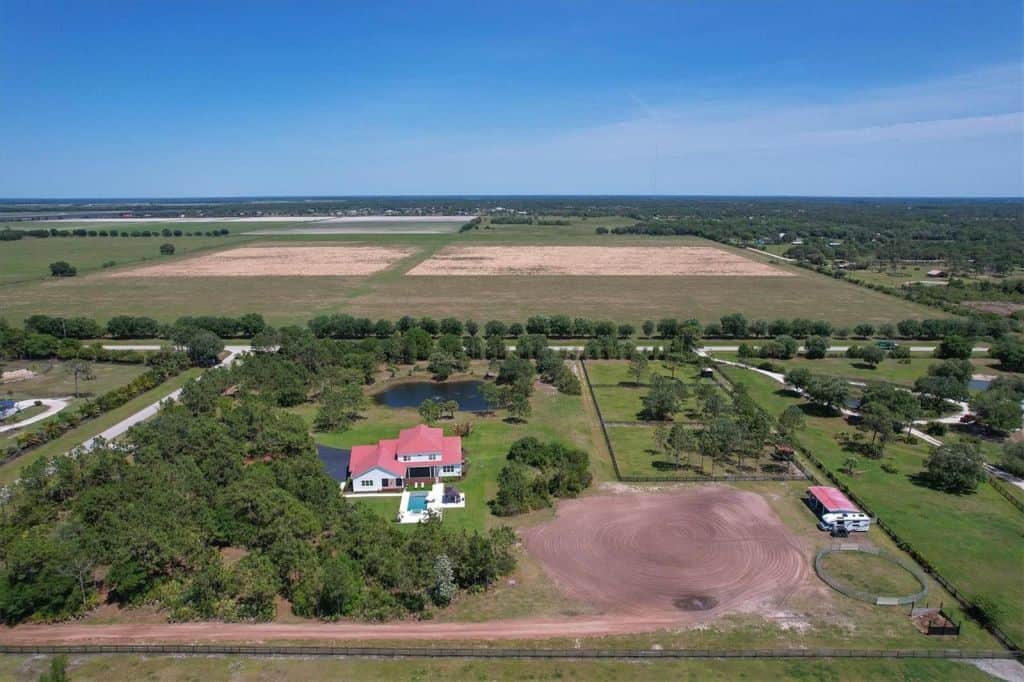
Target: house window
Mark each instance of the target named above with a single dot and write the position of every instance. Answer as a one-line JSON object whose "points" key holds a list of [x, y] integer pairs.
{"points": [[448, 468], [366, 483]]}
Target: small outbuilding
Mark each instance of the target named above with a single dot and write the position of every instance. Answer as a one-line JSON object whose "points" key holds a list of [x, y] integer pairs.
{"points": [[834, 509], [937, 273]]}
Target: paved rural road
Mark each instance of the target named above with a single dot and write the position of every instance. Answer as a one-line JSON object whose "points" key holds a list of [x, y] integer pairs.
{"points": [[523, 629], [150, 410], [706, 349], [733, 349], [53, 406], [773, 255]]}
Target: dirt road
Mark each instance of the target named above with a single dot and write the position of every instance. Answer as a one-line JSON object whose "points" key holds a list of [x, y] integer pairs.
{"points": [[524, 629]]}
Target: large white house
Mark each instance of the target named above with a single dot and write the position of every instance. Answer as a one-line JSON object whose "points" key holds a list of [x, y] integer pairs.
{"points": [[421, 454]]}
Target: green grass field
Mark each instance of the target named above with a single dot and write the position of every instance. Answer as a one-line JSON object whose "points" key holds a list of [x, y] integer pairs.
{"points": [[245, 668], [619, 395], [53, 380], [870, 573], [902, 372], [973, 540], [638, 455], [29, 259], [390, 294]]}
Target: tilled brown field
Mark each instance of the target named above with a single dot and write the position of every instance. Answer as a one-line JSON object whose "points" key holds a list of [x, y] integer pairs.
{"points": [[594, 260], [281, 261], [708, 548]]}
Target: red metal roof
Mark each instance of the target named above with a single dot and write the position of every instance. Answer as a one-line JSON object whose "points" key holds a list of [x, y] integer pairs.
{"points": [[417, 440], [832, 499]]}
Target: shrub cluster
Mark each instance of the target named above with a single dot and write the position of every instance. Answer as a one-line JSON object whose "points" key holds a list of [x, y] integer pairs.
{"points": [[536, 472]]}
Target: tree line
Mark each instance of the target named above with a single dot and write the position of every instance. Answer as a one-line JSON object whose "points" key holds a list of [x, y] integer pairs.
{"points": [[342, 326], [10, 235]]}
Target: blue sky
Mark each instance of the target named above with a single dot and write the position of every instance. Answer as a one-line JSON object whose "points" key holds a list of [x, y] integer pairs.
{"points": [[754, 98]]}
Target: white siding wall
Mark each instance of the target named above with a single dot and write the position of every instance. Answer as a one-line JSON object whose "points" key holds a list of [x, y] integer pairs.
{"points": [[457, 471], [370, 482]]}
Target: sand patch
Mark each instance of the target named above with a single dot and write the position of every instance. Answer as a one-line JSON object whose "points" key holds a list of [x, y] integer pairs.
{"points": [[16, 375], [706, 549], [278, 261], [700, 261]]}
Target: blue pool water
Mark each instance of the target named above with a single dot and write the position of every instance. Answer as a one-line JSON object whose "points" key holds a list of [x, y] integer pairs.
{"points": [[417, 502]]}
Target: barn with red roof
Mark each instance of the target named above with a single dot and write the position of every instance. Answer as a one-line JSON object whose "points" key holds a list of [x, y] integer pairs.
{"points": [[422, 454]]}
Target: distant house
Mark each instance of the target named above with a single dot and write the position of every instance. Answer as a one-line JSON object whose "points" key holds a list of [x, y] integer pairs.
{"points": [[8, 408], [938, 273], [421, 454]]}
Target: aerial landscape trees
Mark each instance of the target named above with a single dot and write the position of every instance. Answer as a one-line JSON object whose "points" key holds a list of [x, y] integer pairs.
{"points": [[218, 474]]}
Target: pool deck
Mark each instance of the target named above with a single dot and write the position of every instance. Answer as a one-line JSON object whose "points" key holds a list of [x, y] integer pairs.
{"points": [[434, 504]]}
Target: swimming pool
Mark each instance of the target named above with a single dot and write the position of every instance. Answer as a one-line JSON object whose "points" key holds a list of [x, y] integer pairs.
{"points": [[417, 503]]}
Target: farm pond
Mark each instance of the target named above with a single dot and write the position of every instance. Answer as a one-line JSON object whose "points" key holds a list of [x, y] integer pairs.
{"points": [[411, 393]]}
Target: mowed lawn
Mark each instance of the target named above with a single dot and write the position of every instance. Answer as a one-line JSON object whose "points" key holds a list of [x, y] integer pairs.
{"points": [[975, 540], [391, 294], [620, 396], [555, 417], [638, 455]]}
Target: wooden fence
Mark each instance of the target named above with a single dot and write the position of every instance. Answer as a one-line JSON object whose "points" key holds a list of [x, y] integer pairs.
{"points": [[444, 652]]}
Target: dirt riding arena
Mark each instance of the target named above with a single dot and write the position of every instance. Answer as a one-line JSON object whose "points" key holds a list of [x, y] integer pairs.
{"points": [[594, 260], [706, 549], [283, 261]]}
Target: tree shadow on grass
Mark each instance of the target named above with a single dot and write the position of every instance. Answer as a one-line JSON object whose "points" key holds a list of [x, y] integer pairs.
{"points": [[923, 480], [863, 365], [662, 465], [815, 410]]}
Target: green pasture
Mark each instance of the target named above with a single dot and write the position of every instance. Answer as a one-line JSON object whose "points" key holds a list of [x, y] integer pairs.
{"points": [[54, 380], [101, 668], [870, 573], [28, 260], [974, 540]]}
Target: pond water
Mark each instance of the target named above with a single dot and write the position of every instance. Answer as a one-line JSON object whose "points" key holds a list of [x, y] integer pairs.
{"points": [[979, 384], [412, 393]]}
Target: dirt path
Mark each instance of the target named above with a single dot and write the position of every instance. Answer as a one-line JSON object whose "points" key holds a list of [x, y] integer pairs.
{"points": [[524, 629]]}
